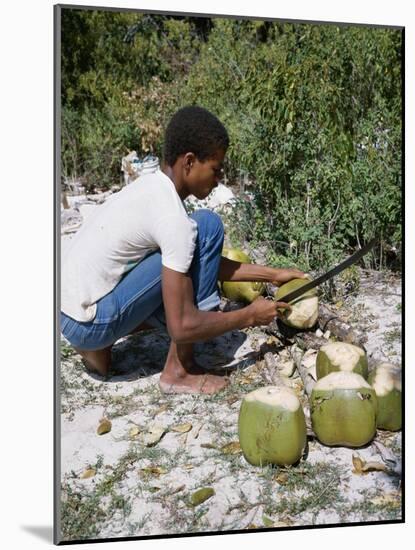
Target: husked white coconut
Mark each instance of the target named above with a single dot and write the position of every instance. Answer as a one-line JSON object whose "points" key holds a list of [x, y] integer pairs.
{"points": [[386, 378], [276, 396], [341, 356], [304, 313], [337, 380]]}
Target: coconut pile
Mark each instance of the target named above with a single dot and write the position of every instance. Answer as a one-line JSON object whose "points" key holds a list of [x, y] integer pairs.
{"points": [[302, 436]]}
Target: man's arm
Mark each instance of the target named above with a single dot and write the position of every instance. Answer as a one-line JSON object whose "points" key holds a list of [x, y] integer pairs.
{"points": [[187, 324], [230, 270]]}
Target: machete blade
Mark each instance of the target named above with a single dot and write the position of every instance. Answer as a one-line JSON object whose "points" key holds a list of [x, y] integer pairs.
{"points": [[329, 274]]}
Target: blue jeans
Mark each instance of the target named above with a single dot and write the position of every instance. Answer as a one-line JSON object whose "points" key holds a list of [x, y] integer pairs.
{"points": [[138, 297]]}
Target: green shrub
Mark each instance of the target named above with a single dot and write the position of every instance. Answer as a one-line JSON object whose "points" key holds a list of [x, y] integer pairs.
{"points": [[313, 112]]}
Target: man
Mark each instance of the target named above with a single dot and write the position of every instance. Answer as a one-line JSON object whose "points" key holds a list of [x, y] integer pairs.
{"points": [[140, 261]]}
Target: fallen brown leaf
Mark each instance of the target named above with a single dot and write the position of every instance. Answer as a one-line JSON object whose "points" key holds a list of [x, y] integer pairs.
{"points": [[232, 448], [161, 409], [209, 446], [153, 435], [134, 431], [361, 467], [153, 470], [181, 428], [281, 478], [86, 474], [104, 426]]}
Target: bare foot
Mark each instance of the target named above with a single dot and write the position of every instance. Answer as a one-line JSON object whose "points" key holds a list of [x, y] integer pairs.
{"points": [[181, 373], [192, 383], [97, 361]]}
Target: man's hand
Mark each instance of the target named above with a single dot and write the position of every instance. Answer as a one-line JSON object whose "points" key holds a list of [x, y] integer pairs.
{"points": [[264, 311], [284, 275]]}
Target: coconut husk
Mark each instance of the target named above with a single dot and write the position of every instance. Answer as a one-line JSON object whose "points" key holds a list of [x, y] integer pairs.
{"points": [[330, 320], [305, 363], [271, 373]]}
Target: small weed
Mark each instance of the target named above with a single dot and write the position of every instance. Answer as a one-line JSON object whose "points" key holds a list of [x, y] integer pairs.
{"points": [[307, 488], [393, 335], [83, 513], [373, 506], [66, 350]]}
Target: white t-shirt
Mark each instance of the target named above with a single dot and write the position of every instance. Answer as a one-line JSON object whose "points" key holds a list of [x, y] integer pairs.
{"points": [[144, 216]]}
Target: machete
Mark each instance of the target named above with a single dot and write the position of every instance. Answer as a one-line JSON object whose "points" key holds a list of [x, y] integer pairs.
{"points": [[329, 274]]}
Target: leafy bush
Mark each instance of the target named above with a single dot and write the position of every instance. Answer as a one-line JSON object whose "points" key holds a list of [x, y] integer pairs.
{"points": [[313, 113]]}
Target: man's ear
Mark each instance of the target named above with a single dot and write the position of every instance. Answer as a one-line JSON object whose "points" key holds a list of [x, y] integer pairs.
{"points": [[188, 161]]}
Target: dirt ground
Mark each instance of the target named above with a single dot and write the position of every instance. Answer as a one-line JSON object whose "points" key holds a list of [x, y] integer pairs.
{"points": [[138, 478]]}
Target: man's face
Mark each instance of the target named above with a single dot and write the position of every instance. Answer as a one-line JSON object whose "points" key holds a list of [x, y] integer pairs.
{"points": [[203, 176]]}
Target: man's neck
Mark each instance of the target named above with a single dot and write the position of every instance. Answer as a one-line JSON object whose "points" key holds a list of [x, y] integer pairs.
{"points": [[176, 179]]}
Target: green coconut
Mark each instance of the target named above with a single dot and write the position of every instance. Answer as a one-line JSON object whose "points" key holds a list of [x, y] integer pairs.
{"points": [[343, 410], [272, 427], [341, 356], [240, 291], [304, 312], [385, 379]]}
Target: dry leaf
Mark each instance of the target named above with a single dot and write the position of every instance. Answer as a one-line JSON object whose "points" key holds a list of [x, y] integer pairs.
{"points": [[153, 470], [104, 426], [374, 467], [188, 466], [267, 521], [154, 434], [209, 446], [201, 495], [281, 478], [161, 409], [177, 490], [357, 463], [246, 379], [251, 526], [391, 499], [89, 472], [232, 448], [134, 431], [362, 467], [181, 428]]}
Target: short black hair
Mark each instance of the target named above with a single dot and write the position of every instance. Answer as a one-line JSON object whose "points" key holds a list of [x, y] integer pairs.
{"points": [[194, 129]]}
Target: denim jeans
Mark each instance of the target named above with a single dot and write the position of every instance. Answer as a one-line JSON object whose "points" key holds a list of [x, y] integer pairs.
{"points": [[138, 297]]}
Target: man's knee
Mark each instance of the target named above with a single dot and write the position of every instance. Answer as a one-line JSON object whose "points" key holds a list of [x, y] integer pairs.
{"points": [[208, 223]]}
